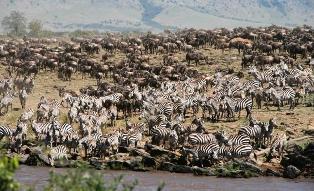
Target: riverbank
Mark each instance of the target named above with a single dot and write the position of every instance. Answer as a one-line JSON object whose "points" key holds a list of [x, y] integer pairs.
{"points": [[297, 162]]}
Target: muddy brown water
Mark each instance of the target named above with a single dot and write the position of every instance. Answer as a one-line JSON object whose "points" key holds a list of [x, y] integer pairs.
{"points": [[148, 181]]}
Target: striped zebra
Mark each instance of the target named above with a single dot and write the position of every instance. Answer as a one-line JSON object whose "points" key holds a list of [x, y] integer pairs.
{"points": [[27, 115], [236, 105], [164, 108], [66, 131], [22, 128], [89, 144], [54, 109], [262, 76], [135, 136], [113, 141], [268, 134], [251, 84], [72, 114], [236, 151], [114, 98], [254, 132], [40, 129], [278, 144], [201, 139], [57, 153], [68, 99], [281, 95], [6, 131], [160, 134], [201, 85], [190, 102], [22, 97], [207, 151], [6, 102], [239, 151], [238, 139]]}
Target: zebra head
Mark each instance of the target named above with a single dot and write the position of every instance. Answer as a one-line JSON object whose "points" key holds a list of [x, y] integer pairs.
{"points": [[273, 122], [215, 155], [50, 159], [222, 137]]}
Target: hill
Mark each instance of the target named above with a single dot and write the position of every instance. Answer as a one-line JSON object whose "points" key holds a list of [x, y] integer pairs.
{"points": [[122, 15]]}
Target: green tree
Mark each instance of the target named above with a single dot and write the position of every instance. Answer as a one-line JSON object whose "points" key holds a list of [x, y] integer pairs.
{"points": [[7, 169], [15, 23], [35, 28]]}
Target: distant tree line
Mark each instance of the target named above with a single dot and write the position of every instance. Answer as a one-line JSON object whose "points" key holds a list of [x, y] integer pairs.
{"points": [[16, 24]]}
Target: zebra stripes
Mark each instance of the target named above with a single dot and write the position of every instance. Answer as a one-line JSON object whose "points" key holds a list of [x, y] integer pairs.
{"points": [[281, 95], [235, 151], [278, 144], [57, 153], [207, 151], [201, 139], [161, 134], [6, 131], [236, 105], [238, 139]]}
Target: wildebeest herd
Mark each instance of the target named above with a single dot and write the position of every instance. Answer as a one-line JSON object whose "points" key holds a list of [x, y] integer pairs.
{"points": [[171, 99]]}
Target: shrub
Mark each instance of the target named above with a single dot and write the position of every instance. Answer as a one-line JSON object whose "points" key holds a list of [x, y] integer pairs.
{"points": [[7, 169], [82, 179]]}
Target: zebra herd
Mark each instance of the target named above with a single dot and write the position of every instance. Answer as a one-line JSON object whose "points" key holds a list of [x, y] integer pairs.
{"points": [[164, 113]]}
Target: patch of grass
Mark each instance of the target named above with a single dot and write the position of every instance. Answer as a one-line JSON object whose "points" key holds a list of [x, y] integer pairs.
{"points": [[234, 170]]}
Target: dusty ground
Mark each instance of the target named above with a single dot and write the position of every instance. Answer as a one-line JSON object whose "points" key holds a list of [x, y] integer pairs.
{"points": [[296, 121]]}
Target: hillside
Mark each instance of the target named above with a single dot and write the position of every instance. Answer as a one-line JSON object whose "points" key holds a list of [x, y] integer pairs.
{"points": [[121, 15]]}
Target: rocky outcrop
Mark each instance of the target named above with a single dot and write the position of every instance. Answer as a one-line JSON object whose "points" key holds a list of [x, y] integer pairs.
{"points": [[291, 172], [302, 159]]}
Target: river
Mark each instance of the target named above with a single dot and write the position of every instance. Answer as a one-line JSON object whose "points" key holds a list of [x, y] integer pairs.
{"points": [[148, 181]]}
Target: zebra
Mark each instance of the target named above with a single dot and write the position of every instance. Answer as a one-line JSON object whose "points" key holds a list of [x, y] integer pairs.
{"points": [[23, 96], [68, 99], [6, 131], [135, 137], [27, 115], [190, 102], [40, 129], [113, 141], [54, 110], [243, 150], [238, 139], [66, 131], [6, 102], [207, 151], [263, 77], [201, 139], [256, 132], [270, 125], [283, 94], [278, 144], [164, 108], [113, 115], [160, 133], [238, 105], [72, 114], [23, 129], [89, 143], [235, 151], [57, 153]]}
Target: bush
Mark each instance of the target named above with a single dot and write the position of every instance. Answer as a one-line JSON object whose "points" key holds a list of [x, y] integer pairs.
{"points": [[79, 179], [84, 180], [7, 169]]}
